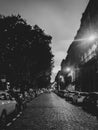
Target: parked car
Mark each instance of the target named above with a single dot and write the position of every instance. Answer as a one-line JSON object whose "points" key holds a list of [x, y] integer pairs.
{"points": [[8, 105], [78, 97], [61, 93], [69, 95], [66, 95], [90, 101]]}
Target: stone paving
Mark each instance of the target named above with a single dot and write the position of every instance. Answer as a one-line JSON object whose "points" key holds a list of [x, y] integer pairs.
{"points": [[50, 112]]}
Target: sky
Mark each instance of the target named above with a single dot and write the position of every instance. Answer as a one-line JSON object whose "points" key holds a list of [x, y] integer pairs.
{"points": [[58, 18]]}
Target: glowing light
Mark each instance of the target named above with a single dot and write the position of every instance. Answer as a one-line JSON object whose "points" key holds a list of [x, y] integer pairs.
{"points": [[92, 38], [68, 69]]}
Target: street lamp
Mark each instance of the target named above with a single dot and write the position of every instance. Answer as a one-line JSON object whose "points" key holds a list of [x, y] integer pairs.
{"points": [[68, 69], [89, 38], [92, 38]]}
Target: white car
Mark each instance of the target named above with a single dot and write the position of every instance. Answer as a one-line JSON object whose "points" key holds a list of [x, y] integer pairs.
{"points": [[8, 105]]}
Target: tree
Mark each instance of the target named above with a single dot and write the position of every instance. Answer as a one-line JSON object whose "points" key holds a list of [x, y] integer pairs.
{"points": [[26, 54]]}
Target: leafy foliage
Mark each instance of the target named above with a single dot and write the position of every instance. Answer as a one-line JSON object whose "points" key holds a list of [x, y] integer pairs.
{"points": [[25, 52]]}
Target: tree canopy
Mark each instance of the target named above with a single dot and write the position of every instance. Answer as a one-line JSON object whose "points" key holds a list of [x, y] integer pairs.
{"points": [[25, 52]]}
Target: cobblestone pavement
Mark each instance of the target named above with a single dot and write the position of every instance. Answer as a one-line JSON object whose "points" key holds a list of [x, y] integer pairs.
{"points": [[50, 112]]}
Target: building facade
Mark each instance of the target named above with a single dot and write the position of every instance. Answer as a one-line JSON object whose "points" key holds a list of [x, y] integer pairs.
{"points": [[83, 53]]}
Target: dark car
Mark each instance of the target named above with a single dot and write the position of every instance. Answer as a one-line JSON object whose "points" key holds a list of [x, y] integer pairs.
{"points": [[78, 97], [61, 93], [90, 102], [69, 95]]}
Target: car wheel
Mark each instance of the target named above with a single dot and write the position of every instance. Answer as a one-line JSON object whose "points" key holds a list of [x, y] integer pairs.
{"points": [[3, 120]]}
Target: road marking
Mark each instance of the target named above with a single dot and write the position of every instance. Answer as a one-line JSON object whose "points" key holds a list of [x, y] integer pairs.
{"points": [[20, 112], [14, 119], [9, 124], [18, 115]]}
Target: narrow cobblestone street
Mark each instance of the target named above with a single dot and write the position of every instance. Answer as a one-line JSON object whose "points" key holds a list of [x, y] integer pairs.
{"points": [[50, 112]]}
